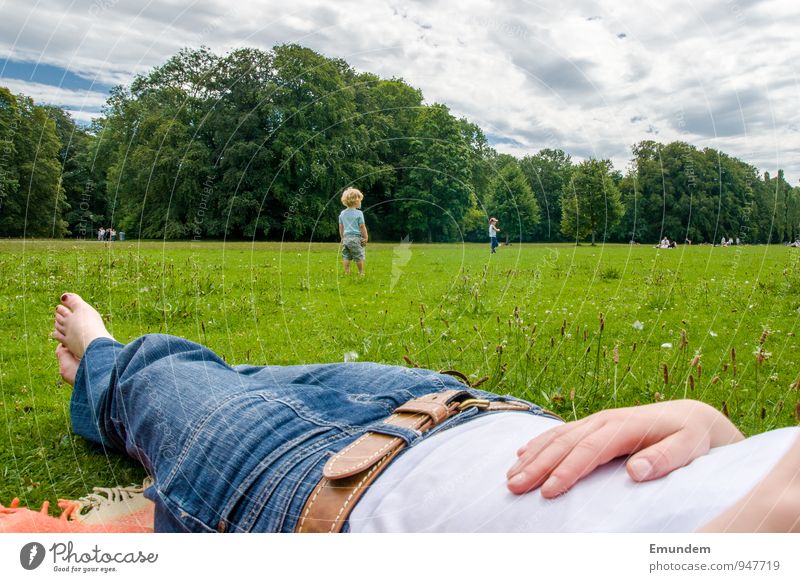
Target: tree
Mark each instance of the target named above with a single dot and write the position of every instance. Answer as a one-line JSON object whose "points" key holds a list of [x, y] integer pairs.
{"points": [[512, 201], [591, 206], [85, 209], [32, 197], [436, 194], [9, 174], [548, 173]]}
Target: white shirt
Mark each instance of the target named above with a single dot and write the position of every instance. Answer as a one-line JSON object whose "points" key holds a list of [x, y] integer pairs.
{"points": [[492, 230], [455, 481]]}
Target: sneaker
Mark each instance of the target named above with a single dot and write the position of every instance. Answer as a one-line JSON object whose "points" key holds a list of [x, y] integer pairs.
{"points": [[105, 510], [117, 506]]}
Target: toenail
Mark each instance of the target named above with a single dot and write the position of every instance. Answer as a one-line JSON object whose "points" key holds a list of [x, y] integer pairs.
{"points": [[64, 297]]}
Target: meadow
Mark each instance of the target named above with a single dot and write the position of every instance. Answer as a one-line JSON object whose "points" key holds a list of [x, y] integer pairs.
{"points": [[575, 329]]}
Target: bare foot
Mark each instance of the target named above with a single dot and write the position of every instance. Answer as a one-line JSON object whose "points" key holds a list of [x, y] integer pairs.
{"points": [[77, 324], [67, 364]]}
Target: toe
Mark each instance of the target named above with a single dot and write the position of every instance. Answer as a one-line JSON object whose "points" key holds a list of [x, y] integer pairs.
{"points": [[58, 336], [71, 300], [62, 310]]}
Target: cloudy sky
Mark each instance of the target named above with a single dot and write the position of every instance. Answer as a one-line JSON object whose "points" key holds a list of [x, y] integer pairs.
{"points": [[589, 77]]}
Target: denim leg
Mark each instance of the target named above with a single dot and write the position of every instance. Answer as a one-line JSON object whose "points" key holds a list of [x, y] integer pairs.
{"points": [[90, 402], [139, 398], [143, 399]]}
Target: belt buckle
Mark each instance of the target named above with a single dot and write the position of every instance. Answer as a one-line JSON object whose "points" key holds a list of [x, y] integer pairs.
{"points": [[476, 402]]}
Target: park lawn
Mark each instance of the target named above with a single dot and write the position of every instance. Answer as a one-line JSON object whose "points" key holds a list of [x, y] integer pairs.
{"points": [[528, 318]]}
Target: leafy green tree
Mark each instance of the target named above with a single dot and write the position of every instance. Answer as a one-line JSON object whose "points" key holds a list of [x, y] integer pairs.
{"points": [[9, 174], [387, 115], [33, 200], [475, 223], [591, 206], [436, 194], [512, 201], [548, 173], [84, 207]]}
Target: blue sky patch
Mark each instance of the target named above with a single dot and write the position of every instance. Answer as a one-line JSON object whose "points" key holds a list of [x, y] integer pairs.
{"points": [[49, 75]]}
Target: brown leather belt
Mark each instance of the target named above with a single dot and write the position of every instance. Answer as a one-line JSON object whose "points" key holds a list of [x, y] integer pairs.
{"points": [[348, 474]]}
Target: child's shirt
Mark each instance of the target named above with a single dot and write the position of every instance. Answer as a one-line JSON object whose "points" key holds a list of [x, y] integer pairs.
{"points": [[352, 219], [492, 231]]}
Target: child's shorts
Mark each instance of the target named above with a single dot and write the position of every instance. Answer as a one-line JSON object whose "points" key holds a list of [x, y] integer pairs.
{"points": [[352, 249]]}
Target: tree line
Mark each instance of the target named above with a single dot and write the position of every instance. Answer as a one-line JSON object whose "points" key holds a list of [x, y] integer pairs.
{"points": [[259, 144]]}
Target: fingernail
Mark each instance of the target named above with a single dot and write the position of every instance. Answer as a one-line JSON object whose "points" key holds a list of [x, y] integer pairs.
{"points": [[553, 483], [640, 469], [517, 479], [517, 466]]}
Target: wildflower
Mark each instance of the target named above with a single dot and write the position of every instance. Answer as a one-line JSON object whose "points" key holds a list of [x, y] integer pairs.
{"points": [[696, 360], [761, 355], [638, 325], [615, 354], [763, 337], [666, 374], [350, 356], [712, 333], [667, 345]]}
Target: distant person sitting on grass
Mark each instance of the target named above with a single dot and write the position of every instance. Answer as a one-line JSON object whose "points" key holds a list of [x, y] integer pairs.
{"points": [[353, 230], [493, 230], [364, 447]]}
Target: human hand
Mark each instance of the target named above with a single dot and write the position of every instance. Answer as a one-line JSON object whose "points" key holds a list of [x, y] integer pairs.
{"points": [[662, 437], [364, 242]]}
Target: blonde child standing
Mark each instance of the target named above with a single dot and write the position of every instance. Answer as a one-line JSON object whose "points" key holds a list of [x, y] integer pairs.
{"points": [[353, 230]]}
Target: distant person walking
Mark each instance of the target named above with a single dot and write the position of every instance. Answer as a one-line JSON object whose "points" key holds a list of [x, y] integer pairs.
{"points": [[493, 230], [353, 230], [101, 234]]}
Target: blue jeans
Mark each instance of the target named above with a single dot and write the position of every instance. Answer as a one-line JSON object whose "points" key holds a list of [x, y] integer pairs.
{"points": [[236, 448], [493, 242]]}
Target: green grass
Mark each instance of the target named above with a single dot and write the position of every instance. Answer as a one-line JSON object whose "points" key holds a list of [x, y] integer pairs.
{"points": [[528, 318]]}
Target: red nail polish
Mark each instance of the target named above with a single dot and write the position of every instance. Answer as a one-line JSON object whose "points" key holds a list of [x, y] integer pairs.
{"points": [[64, 297]]}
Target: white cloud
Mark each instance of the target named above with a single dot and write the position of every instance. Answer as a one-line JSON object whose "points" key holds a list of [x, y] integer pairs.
{"points": [[84, 117], [592, 78]]}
